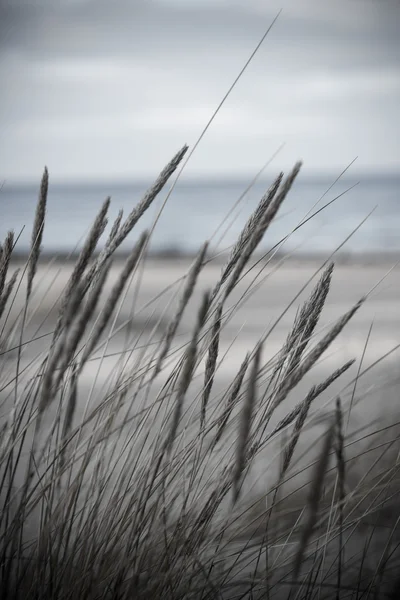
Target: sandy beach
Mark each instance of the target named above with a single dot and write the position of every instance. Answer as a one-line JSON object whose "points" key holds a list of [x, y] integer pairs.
{"points": [[269, 311]]}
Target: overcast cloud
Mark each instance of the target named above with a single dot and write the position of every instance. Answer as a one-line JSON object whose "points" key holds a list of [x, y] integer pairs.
{"points": [[113, 88]]}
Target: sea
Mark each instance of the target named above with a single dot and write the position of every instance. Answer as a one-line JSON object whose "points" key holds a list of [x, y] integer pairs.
{"points": [[356, 214]]}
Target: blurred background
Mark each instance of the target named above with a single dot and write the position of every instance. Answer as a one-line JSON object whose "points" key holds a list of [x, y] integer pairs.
{"points": [[105, 93]]}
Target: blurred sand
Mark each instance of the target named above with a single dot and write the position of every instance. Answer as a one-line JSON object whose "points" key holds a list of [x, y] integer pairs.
{"points": [[151, 300], [277, 287]]}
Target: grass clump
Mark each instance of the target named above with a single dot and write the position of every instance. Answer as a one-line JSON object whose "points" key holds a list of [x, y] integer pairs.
{"points": [[133, 484]]}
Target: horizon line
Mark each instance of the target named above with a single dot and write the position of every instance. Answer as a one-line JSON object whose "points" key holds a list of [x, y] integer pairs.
{"points": [[219, 178]]}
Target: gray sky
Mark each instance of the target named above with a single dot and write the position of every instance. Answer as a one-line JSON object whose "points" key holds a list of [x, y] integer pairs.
{"points": [[113, 88]]}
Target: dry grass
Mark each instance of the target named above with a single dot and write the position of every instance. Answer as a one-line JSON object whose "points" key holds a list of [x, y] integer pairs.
{"points": [[140, 492]]}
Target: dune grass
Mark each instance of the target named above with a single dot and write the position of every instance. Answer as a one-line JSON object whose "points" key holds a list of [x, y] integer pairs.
{"points": [[137, 488]]}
